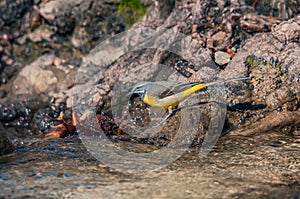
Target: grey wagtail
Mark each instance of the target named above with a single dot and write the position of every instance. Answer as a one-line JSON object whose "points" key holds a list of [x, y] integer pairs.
{"points": [[173, 92]]}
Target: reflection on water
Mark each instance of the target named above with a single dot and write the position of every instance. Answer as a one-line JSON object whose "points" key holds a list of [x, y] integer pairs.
{"points": [[265, 165]]}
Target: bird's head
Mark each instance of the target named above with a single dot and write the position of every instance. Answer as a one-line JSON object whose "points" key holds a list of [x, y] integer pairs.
{"points": [[139, 89]]}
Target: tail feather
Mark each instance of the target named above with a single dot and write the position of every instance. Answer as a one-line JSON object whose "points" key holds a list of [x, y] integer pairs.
{"points": [[225, 81], [181, 86]]}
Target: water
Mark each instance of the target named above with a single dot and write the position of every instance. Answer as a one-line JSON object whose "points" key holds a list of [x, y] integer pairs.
{"points": [[260, 166]]}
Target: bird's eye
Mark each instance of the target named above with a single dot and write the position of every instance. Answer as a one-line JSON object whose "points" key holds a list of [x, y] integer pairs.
{"points": [[133, 96]]}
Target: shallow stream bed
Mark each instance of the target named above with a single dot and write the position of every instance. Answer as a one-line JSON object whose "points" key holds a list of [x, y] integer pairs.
{"points": [[260, 166]]}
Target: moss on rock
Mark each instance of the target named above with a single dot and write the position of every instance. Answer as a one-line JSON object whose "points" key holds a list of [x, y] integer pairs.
{"points": [[131, 10]]}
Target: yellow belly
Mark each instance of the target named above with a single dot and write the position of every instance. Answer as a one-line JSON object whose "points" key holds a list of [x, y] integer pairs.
{"points": [[172, 100]]}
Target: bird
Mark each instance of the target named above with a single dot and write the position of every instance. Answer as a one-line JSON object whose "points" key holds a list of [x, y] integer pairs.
{"points": [[169, 94]]}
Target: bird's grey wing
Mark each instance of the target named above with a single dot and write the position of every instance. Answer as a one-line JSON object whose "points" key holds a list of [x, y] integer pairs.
{"points": [[163, 89]]}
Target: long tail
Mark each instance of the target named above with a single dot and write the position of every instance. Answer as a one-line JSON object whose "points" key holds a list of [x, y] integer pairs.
{"points": [[197, 86], [227, 80]]}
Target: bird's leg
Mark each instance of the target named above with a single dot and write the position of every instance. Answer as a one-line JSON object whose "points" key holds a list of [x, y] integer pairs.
{"points": [[170, 112]]}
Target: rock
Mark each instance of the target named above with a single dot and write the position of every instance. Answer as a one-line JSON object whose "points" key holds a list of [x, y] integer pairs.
{"points": [[222, 58], [124, 62], [273, 67], [34, 78], [79, 38], [64, 23], [64, 18], [158, 12], [51, 8], [287, 30], [48, 74], [281, 9], [17, 25], [6, 57], [218, 37], [6, 146], [215, 23], [280, 97], [18, 114], [266, 45], [248, 102], [9, 72], [40, 35], [210, 43]]}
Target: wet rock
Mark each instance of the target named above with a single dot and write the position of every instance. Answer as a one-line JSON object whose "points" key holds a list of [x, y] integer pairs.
{"points": [[18, 114], [34, 115], [7, 114], [44, 119], [6, 146]]}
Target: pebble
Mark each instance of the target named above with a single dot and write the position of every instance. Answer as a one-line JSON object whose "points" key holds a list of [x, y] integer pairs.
{"points": [[219, 36], [222, 58]]}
